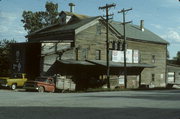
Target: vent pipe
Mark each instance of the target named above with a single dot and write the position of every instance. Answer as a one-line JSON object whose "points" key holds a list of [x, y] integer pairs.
{"points": [[142, 25], [71, 5]]}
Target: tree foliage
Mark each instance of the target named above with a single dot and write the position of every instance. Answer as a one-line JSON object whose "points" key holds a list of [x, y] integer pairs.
{"points": [[177, 58], [4, 56], [37, 20]]}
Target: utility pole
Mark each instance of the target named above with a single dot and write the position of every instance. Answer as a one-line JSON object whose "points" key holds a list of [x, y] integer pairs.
{"points": [[107, 7], [124, 43]]}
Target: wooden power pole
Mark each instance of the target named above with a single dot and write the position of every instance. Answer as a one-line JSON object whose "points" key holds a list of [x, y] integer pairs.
{"points": [[107, 7], [124, 43]]}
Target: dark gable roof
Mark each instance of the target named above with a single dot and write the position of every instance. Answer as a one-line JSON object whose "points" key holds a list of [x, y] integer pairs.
{"points": [[64, 27], [73, 25], [133, 32]]}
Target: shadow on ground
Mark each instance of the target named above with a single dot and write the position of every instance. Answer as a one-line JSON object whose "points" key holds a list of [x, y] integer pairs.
{"points": [[150, 95], [87, 113]]}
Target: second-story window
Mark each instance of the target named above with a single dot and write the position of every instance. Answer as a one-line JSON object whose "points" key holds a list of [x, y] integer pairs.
{"points": [[153, 59], [98, 29], [98, 55]]}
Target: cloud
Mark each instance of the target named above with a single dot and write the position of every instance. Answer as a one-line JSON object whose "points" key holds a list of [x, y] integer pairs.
{"points": [[7, 17], [157, 26], [169, 3], [172, 36], [11, 26]]}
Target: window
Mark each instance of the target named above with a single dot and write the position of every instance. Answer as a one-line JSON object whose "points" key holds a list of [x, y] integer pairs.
{"points": [[98, 55], [98, 29], [84, 53], [153, 77], [77, 54], [63, 20], [153, 58], [72, 44]]}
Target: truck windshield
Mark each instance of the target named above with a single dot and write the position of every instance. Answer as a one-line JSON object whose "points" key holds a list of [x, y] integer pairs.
{"points": [[16, 76], [40, 79]]}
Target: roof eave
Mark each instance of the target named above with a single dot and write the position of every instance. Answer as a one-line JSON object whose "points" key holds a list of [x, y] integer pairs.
{"points": [[147, 41]]}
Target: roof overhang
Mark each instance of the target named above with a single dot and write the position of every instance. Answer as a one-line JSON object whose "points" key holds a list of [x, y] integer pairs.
{"points": [[75, 62], [95, 67], [121, 65]]}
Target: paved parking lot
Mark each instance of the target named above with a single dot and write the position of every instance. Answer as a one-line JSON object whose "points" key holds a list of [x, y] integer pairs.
{"points": [[156, 104]]}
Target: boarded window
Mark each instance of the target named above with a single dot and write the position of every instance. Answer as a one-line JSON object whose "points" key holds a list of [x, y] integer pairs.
{"points": [[77, 54], [84, 53], [153, 77], [153, 58], [98, 29], [98, 55]]}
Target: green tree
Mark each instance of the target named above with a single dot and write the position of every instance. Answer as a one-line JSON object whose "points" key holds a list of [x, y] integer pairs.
{"points": [[4, 56], [176, 60], [36, 20]]}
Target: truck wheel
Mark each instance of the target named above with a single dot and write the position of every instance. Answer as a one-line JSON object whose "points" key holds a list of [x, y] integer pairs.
{"points": [[13, 86], [41, 89], [53, 91]]}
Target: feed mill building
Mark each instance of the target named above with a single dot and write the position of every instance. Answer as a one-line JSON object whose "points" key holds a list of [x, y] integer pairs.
{"points": [[76, 48]]}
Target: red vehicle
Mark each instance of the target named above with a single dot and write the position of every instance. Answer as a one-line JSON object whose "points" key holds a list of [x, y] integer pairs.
{"points": [[41, 84]]}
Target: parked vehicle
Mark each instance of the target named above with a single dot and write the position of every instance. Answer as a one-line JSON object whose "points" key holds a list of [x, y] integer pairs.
{"points": [[64, 83], [41, 84], [50, 84], [16, 80]]}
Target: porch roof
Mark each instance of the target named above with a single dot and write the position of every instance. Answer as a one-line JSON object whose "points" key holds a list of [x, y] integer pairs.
{"points": [[118, 64]]}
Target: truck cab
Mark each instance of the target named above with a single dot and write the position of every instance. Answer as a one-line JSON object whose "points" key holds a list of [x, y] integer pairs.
{"points": [[14, 81]]}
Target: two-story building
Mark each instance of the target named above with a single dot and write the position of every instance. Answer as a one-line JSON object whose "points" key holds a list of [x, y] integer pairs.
{"points": [[76, 48]]}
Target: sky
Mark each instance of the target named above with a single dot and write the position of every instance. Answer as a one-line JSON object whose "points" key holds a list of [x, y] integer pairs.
{"points": [[160, 16]]}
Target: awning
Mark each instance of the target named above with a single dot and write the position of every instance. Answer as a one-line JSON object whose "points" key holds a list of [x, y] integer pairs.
{"points": [[95, 67], [120, 65], [75, 62], [70, 67]]}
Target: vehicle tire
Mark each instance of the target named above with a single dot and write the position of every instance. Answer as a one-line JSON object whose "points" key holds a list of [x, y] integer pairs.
{"points": [[41, 89], [13, 86], [53, 91]]}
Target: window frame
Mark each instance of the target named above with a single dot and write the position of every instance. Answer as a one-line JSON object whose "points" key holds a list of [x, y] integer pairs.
{"points": [[153, 77], [153, 59], [98, 55]]}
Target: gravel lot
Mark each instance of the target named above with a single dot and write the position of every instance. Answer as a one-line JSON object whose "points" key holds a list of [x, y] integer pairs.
{"points": [[156, 104]]}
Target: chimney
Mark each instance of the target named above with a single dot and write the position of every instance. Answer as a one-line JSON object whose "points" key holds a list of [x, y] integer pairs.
{"points": [[71, 5], [142, 25]]}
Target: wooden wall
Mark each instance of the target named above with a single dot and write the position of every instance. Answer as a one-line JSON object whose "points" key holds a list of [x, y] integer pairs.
{"points": [[92, 39]]}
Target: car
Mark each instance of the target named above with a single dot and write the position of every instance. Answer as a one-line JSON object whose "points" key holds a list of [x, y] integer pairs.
{"points": [[41, 84]]}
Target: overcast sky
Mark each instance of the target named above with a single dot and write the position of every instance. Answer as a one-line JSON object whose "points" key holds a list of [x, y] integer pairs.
{"points": [[161, 16]]}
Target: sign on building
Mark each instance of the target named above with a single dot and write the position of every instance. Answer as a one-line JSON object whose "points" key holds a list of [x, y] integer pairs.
{"points": [[129, 56], [116, 56], [132, 56], [135, 56]]}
